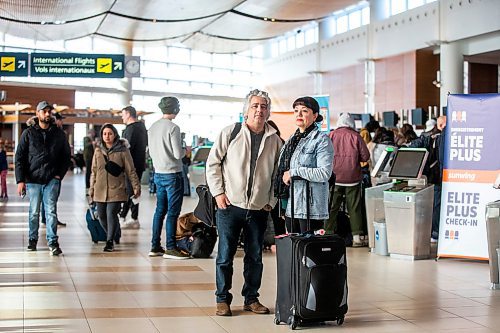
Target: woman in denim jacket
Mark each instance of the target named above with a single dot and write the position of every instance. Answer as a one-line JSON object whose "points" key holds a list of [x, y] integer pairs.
{"points": [[307, 154]]}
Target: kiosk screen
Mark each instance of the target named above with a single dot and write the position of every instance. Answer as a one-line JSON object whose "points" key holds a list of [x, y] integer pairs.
{"points": [[408, 163]]}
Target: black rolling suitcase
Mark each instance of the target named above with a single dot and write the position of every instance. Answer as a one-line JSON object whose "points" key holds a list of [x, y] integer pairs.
{"points": [[312, 277]]}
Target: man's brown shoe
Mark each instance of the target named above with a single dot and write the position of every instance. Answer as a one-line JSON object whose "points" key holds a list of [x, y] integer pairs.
{"points": [[256, 307], [223, 309]]}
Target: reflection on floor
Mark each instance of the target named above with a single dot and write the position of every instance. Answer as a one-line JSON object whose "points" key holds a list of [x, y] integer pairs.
{"points": [[88, 290]]}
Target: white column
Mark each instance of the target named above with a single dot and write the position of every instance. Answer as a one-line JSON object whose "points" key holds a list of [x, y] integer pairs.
{"points": [[370, 86], [452, 71], [379, 10]]}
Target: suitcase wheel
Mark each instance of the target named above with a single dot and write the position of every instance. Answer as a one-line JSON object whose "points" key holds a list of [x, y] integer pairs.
{"points": [[95, 242], [293, 322], [277, 321], [340, 320]]}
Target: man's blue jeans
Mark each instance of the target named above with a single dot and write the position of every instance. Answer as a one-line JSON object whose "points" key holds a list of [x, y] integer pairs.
{"points": [[45, 194], [169, 195], [230, 222]]}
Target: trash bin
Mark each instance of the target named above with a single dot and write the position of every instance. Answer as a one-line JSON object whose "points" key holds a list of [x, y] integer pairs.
{"points": [[380, 231], [493, 230]]}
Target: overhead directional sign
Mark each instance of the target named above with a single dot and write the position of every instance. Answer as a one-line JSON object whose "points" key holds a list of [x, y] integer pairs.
{"points": [[13, 64], [77, 65]]}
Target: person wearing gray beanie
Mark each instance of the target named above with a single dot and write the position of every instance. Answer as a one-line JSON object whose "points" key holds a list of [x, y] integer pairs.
{"points": [[169, 105]]}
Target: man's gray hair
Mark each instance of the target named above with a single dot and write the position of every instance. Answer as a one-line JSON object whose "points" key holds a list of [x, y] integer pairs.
{"points": [[258, 93]]}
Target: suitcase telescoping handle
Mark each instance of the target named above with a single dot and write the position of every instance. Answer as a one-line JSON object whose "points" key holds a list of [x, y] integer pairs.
{"points": [[292, 207]]}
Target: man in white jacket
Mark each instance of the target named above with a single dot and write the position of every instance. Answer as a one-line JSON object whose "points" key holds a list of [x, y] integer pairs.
{"points": [[240, 175]]}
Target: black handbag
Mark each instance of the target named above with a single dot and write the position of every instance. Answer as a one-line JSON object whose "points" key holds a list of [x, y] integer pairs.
{"points": [[112, 168]]}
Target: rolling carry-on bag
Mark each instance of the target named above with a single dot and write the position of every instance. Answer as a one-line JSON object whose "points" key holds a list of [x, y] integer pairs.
{"points": [[97, 233], [311, 276]]}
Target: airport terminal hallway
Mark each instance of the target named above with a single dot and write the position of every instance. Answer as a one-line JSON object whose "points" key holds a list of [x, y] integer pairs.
{"points": [[88, 290]]}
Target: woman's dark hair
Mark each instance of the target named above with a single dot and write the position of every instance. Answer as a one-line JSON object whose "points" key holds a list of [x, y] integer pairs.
{"points": [[372, 125], [113, 128], [384, 135]]}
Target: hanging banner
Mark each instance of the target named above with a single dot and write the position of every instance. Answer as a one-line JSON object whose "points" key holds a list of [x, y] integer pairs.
{"points": [[324, 110], [471, 166]]}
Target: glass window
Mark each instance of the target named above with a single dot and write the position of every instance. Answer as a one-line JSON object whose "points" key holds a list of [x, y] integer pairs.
{"points": [[365, 16], [178, 86], [241, 62], [257, 65], [51, 45], [19, 42], [275, 49], [290, 41], [415, 3], [342, 24], [202, 74], [311, 36], [79, 45], [177, 72], [201, 58], [153, 69], [222, 60], [154, 85], [354, 20], [201, 88], [282, 46], [106, 46], [155, 53], [138, 51], [398, 6], [221, 75], [299, 39], [258, 51], [178, 55]]}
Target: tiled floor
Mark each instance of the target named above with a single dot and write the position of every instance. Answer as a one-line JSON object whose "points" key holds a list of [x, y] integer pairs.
{"points": [[86, 290]]}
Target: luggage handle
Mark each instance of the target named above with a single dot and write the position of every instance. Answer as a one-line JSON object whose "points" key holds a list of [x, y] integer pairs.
{"points": [[292, 207]]}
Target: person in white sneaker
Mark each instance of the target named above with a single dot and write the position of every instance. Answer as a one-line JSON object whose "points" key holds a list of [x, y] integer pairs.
{"points": [[137, 137]]}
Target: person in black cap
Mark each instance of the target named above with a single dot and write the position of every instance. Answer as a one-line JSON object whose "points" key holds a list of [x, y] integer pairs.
{"points": [[165, 149], [42, 159], [308, 154], [137, 136], [59, 123]]}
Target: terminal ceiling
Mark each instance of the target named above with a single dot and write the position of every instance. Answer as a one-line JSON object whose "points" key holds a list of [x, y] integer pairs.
{"points": [[221, 26]]}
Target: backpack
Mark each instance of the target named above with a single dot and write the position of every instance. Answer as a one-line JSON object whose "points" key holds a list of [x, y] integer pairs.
{"points": [[205, 209], [204, 239]]}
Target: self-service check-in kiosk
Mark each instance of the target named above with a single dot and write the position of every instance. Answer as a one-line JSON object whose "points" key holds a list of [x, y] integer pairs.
{"points": [[374, 196], [408, 206], [197, 168]]}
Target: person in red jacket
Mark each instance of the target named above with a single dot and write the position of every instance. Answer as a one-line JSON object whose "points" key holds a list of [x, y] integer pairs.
{"points": [[349, 151]]}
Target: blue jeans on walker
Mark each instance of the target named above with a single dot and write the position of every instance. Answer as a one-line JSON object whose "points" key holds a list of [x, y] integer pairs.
{"points": [[169, 195], [230, 222], [46, 195]]}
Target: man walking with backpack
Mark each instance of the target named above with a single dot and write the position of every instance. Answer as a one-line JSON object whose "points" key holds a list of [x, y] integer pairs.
{"points": [[241, 167]]}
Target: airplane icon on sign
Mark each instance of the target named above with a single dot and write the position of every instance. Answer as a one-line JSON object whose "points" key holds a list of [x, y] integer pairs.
{"points": [[7, 64]]}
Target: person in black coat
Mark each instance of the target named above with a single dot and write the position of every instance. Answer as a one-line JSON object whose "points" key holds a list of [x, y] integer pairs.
{"points": [[433, 169], [137, 136], [42, 159]]}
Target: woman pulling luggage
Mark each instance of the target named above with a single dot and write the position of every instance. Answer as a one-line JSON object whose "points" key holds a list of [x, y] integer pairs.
{"points": [[308, 154], [111, 163]]}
